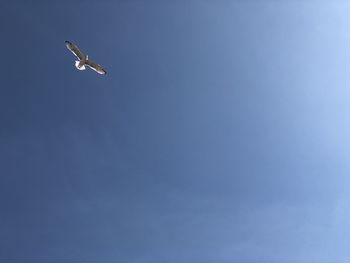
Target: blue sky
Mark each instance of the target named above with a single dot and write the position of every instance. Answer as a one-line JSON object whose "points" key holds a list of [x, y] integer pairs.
{"points": [[220, 134]]}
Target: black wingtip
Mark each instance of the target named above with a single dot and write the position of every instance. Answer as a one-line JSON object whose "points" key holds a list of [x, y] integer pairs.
{"points": [[67, 42]]}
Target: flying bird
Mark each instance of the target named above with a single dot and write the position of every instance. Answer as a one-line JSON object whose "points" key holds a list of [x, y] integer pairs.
{"points": [[84, 60]]}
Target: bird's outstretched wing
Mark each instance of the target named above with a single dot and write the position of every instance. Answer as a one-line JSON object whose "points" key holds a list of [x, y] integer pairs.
{"points": [[98, 68], [75, 50]]}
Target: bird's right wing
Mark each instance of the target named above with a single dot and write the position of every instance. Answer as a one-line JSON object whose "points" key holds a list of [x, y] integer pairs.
{"points": [[98, 68], [74, 49]]}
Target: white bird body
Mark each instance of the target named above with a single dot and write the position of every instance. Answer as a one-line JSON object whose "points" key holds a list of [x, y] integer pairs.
{"points": [[84, 60], [80, 65]]}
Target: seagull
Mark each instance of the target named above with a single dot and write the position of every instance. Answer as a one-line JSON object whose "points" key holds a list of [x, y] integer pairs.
{"points": [[84, 60]]}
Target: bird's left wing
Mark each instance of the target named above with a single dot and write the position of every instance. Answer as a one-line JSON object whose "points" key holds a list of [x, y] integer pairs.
{"points": [[75, 50], [98, 68]]}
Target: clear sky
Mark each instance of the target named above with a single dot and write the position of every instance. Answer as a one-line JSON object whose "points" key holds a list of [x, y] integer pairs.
{"points": [[221, 132]]}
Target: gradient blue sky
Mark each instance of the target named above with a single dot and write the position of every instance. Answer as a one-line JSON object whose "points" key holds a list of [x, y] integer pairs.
{"points": [[220, 134]]}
